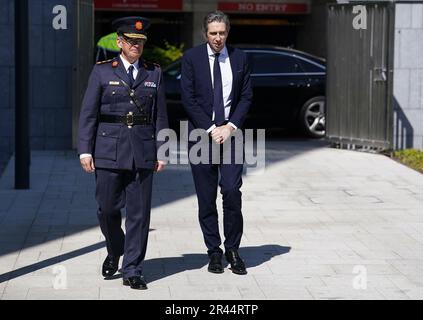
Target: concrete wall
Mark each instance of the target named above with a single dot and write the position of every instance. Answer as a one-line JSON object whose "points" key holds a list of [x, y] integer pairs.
{"points": [[312, 36], [51, 54], [408, 76], [7, 77]]}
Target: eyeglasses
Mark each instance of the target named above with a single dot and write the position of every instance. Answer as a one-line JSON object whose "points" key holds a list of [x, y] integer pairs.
{"points": [[133, 42]]}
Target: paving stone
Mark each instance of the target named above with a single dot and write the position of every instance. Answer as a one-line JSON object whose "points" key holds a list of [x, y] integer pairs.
{"points": [[305, 230]]}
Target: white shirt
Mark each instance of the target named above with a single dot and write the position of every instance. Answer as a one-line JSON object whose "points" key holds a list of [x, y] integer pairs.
{"points": [[126, 65], [227, 79]]}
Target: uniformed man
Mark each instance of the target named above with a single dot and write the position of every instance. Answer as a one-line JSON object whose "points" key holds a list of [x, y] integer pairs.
{"points": [[123, 110]]}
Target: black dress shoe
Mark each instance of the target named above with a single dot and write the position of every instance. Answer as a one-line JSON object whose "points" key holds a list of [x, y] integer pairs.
{"points": [[110, 266], [237, 265], [215, 264], [136, 282]]}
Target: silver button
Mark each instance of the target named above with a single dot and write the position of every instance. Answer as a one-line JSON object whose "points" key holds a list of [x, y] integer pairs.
{"points": [[131, 102]]}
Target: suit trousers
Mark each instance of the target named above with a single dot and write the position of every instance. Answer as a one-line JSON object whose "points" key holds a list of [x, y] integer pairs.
{"points": [[206, 180], [116, 189]]}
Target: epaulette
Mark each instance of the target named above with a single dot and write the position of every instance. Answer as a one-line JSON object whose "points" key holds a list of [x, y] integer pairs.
{"points": [[105, 61], [115, 62]]}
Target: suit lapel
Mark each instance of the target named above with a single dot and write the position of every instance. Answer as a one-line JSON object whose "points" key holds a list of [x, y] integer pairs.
{"points": [[205, 63], [120, 71], [234, 67], [142, 74]]}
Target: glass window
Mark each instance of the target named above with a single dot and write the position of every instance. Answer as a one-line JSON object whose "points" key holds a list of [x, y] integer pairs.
{"points": [[264, 62], [310, 67], [173, 70]]}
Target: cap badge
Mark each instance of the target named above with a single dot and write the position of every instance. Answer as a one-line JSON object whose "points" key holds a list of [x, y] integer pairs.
{"points": [[138, 25]]}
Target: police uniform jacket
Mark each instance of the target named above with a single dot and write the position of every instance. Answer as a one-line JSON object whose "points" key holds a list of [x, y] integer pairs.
{"points": [[115, 145]]}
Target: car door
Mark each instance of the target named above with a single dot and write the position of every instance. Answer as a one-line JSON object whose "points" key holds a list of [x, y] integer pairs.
{"points": [[315, 72], [277, 81]]}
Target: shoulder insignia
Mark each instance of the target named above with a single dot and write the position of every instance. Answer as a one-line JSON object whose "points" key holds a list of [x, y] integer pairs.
{"points": [[114, 62], [105, 61]]}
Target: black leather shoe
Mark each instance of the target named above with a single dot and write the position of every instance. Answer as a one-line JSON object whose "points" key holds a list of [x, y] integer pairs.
{"points": [[215, 264], [237, 265], [136, 282], [110, 266]]}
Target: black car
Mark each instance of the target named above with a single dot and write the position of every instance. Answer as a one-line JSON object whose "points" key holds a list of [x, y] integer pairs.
{"points": [[288, 87]]}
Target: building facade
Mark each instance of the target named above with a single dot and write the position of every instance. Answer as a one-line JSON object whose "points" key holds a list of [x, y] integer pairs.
{"points": [[408, 76], [50, 92], [277, 22], [61, 59]]}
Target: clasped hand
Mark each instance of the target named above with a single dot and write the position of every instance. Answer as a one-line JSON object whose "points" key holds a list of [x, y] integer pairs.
{"points": [[222, 133]]}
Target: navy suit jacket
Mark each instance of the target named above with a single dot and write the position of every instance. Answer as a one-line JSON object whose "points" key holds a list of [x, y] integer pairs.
{"points": [[197, 89]]}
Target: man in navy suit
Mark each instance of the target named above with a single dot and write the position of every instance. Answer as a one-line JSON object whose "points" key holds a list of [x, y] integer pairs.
{"points": [[123, 110], [216, 93]]}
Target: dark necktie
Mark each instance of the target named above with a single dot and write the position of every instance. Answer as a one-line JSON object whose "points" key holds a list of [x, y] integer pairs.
{"points": [[218, 108], [131, 75]]}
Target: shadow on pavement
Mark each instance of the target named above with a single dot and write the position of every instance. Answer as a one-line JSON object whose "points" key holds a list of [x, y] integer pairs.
{"points": [[158, 268], [50, 262], [61, 206]]}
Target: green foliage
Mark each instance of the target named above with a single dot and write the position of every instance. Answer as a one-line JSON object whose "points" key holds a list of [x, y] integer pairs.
{"points": [[411, 157], [164, 56]]}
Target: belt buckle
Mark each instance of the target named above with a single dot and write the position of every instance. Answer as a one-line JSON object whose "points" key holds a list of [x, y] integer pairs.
{"points": [[130, 120]]}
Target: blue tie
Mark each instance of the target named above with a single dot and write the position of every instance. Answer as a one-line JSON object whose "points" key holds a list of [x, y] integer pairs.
{"points": [[131, 75], [218, 108]]}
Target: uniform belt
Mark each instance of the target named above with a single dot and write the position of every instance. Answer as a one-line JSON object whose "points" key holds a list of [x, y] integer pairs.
{"points": [[129, 119]]}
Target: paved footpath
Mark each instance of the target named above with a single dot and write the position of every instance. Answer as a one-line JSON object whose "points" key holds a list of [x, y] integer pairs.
{"points": [[320, 223]]}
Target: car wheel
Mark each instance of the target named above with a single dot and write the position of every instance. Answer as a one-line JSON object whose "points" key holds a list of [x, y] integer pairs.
{"points": [[312, 117]]}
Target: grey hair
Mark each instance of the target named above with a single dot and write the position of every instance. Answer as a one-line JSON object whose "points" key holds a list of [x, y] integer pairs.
{"points": [[215, 16]]}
